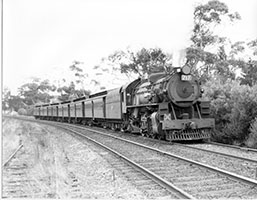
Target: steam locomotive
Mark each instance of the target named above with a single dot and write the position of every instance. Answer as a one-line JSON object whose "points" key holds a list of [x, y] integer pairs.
{"points": [[163, 106]]}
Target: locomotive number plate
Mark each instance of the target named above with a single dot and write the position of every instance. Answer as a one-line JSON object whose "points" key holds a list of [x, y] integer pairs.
{"points": [[186, 77]]}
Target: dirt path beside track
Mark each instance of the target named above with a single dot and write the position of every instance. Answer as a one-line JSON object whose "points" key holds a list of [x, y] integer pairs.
{"points": [[62, 166]]}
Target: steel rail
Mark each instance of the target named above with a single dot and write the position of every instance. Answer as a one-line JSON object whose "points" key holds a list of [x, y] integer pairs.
{"points": [[220, 153], [215, 169], [233, 146], [215, 143], [165, 184], [12, 155]]}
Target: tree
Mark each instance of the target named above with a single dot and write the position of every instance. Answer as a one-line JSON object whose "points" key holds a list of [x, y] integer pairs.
{"points": [[207, 17], [15, 103], [11, 102], [80, 77], [36, 91], [70, 92], [5, 99], [238, 59], [250, 68], [143, 62], [66, 92], [250, 71], [253, 45]]}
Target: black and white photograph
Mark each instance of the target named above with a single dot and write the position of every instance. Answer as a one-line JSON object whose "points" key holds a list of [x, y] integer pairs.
{"points": [[129, 99]]}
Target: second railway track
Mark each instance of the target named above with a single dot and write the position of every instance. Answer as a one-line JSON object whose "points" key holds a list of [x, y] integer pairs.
{"points": [[17, 183], [243, 165], [238, 161], [198, 180]]}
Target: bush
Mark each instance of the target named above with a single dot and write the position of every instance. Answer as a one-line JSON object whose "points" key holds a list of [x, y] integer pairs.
{"points": [[30, 111], [252, 138], [22, 111], [233, 106]]}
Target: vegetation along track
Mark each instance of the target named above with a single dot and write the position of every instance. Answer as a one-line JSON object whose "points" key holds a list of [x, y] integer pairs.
{"points": [[199, 180], [16, 182]]}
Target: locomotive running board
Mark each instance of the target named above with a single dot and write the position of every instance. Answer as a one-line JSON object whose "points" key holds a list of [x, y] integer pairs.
{"points": [[143, 105]]}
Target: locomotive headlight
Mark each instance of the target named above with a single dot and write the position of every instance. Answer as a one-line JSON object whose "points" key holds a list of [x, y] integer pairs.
{"points": [[178, 70], [186, 69]]}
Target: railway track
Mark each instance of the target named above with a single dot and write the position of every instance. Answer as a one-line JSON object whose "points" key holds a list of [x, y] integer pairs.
{"points": [[236, 161], [12, 155], [224, 151], [196, 179], [144, 183], [140, 181], [215, 186], [16, 182], [153, 185], [234, 147], [240, 162]]}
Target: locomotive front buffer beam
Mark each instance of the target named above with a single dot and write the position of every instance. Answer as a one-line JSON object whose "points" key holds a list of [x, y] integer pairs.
{"points": [[183, 124], [187, 129]]}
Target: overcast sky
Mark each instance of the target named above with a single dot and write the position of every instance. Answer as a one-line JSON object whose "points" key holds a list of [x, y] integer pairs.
{"points": [[43, 37]]}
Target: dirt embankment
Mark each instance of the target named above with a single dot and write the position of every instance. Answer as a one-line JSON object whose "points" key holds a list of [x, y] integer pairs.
{"points": [[63, 166], [12, 131]]}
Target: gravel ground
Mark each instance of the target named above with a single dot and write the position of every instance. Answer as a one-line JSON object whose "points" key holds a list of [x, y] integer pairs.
{"points": [[11, 132], [233, 165], [231, 151], [64, 166], [245, 168], [207, 184]]}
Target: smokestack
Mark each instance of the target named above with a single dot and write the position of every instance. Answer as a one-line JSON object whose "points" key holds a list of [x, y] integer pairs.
{"points": [[179, 58]]}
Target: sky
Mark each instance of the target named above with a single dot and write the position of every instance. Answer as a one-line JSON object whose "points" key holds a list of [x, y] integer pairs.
{"points": [[41, 38]]}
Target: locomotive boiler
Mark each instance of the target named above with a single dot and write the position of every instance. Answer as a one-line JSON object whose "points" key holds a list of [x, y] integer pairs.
{"points": [[169, 106]]}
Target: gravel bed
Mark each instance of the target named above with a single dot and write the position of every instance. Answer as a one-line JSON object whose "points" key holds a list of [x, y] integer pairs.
{"points": [[172, 169], [244, 168], [17, 180], [52, 156], [11, 132], [150, 189], [64, 167], [237, 152]]}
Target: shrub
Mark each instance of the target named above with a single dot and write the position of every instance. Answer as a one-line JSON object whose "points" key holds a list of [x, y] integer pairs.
{"points": [[30, 111], [233, 106], [252, 138], [22, 111]]}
